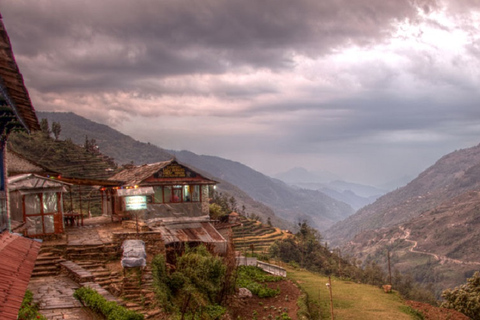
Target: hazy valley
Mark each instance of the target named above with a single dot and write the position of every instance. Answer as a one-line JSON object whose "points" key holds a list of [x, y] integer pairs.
{"points": [[430, 225]]}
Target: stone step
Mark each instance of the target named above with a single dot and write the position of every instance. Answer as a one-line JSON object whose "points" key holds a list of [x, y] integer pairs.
{"points": [[44, 273], [47, 262], [152, 313], [46, 268], [104, 273]]}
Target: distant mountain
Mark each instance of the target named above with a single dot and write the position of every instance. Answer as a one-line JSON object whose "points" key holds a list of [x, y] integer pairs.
{"points": [[354, 194], [289, 204], [431, 225], [302, 175], [449, 177]]}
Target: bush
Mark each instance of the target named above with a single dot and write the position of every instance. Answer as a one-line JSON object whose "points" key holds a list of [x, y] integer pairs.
{"points": [[109, 309], [465, 298], [28, 309], [194, 287], [254, 279]]}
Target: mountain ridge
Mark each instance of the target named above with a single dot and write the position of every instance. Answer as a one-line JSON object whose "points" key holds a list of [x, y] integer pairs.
{"points": [[288, 204]]}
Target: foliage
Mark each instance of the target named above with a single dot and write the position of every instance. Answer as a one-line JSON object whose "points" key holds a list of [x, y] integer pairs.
{"points": [[415, 314], [194, 287], [465, 298], [160, 278], [305, 249], [69, 160], [56, 129], [411, 290], [222, 205], [254, 279], [110, 309], [29, 309]]}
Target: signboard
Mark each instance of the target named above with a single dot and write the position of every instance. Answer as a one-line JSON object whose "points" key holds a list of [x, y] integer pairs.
{"points": [[174, 171], [135, 203]]}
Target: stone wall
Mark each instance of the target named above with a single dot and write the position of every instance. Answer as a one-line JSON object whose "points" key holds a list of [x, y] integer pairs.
{"points": [[153, 240]]}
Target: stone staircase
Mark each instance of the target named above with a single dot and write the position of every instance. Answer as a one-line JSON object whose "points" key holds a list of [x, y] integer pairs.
{"points": [[138, 292], [103, 252], [135, 289], [48, 262], [103, 276]]}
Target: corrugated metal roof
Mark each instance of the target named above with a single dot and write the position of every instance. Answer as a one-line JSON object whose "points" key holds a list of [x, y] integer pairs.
{"points": [[136, 175], [12, 86], [33, 181], [17, 259], [190, 232]]}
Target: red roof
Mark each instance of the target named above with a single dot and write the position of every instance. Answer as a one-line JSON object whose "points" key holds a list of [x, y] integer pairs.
{"points": [[17, 259]]}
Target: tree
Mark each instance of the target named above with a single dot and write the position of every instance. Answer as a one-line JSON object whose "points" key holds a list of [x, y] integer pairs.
{"points": [[195, 287], [44, 128], [56, 129], [465, 298]]}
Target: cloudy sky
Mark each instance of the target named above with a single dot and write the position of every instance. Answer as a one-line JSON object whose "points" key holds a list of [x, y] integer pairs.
{"points": [[371, 90]]}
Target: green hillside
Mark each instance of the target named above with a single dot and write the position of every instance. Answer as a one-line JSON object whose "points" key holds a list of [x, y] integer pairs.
{"points": [[254, 233]]}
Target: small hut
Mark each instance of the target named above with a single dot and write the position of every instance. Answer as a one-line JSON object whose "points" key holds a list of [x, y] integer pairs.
{"points": [[171, 199], [167, 190], [36, 202]]}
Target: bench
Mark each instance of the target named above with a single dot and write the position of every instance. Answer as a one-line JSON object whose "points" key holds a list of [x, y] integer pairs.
{"points": [[76, 272]]}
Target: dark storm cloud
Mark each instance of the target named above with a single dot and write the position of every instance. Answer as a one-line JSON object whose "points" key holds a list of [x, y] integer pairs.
{"points": [[121, 41], [302, 79]]}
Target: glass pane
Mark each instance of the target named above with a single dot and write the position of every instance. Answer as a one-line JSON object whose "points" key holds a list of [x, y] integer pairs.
{"points": [[177, 195], [196, 193], [32, 204], [187, 197], [34, 225], [158, 197], [48, 224], [50, 202], [168, 194]]}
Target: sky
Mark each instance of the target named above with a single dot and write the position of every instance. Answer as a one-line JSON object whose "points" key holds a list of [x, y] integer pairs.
{"points": [[370, 90]]}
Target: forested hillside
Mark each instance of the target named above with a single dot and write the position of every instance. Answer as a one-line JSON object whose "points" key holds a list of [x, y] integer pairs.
{"points": [[431, 226], [288, 204]]}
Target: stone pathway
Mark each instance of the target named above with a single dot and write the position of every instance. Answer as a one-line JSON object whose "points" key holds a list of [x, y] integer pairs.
{"points": [[54, 296]]}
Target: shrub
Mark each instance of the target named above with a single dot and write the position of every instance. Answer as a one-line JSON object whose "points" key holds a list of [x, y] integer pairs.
{"points": [[109, 309], [254, 279], [28, 309], [465, 298]]}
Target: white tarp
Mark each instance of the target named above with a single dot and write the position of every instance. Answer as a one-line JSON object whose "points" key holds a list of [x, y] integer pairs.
{"points": [[134, 254]]}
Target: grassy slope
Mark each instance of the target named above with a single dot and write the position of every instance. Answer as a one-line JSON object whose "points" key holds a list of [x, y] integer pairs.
{"points": [[350, 300]]}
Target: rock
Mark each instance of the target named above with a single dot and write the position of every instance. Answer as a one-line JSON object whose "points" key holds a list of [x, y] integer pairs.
{"points": [[244, 293]]}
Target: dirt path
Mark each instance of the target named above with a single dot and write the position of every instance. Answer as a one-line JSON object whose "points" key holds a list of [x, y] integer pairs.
{"points": [[441, 259]]}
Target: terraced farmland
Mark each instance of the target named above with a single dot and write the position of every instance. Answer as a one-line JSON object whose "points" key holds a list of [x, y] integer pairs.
{"points": [[253, 232]]}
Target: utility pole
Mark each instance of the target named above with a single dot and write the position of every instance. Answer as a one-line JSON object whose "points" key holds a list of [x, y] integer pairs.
{"points": [[329, 285], [389, 268]]}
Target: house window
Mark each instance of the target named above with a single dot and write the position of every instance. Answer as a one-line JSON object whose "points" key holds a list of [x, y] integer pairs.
{"points": [[177, 194], [187, 195], [39, 212], [167, 194], [158, 196]]}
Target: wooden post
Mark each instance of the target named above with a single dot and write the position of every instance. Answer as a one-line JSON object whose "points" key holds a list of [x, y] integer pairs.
{"points": [[389, 268], [329, 285]]}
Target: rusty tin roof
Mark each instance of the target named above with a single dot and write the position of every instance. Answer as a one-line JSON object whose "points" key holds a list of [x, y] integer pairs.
{"points": [[137, 175]]}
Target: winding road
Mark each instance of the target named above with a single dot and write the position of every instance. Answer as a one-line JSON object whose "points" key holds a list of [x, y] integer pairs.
{"points": [[441, 259]]}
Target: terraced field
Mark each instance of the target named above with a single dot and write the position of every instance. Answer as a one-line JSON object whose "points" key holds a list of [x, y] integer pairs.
{"points": [[252, 232]]}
